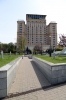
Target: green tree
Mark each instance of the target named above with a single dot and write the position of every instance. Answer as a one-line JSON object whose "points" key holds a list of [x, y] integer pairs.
{"points": [[11, 47], [22, 41], [37, 49]]}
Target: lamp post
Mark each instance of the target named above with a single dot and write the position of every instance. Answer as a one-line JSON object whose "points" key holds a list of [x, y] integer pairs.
{"points": [[50, 41], [50, 47], [41, 48]]}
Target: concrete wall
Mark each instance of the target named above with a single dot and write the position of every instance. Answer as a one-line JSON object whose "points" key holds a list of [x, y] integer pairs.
{"points": [[7, 74], [55, 73]]}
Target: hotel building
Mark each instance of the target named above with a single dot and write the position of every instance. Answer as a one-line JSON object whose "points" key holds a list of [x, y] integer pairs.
{"points": [[37, 32]]}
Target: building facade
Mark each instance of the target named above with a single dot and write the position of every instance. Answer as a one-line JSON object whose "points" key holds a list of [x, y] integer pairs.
{"points": [[37, 32]]}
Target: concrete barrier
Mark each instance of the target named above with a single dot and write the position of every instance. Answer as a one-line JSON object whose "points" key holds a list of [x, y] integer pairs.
{"points": [[55, 73], [30, 56], [7, 74]]}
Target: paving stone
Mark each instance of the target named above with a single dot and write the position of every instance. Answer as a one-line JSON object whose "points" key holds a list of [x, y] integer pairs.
{"points": [[30, 80]]}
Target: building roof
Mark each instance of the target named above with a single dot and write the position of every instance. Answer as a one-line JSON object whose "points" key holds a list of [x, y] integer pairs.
{"points": [[35, 16]]}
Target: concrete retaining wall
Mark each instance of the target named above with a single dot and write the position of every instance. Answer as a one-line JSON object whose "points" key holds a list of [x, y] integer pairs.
{"points": [[7, 74], [55, 73]]}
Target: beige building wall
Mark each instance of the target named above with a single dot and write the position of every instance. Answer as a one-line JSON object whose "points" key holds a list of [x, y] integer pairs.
{"points": [[20, 31], [47, 35], [36, 31], [52, 34]]}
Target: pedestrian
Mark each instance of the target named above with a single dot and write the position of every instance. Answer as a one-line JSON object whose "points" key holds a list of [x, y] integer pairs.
{"points": [[22, 56]]}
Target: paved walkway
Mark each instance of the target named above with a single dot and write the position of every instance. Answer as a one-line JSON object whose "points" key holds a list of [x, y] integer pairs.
{"points": [[29, 82]]}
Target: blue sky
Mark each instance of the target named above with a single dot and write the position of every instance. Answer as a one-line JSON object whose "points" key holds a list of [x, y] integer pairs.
{"points": [[13, 10]]}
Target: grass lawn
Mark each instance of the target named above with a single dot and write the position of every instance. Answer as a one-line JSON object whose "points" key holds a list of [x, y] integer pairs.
{"points": [[7, 58], [58, 59]]}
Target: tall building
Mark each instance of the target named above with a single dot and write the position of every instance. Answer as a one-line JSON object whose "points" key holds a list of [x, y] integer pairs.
{"points": [[20, 31], [52, 34], [37, 32]]}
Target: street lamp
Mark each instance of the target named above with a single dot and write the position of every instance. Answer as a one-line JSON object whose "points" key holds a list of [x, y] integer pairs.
{"points": [[50, 51], [50, 41], [41, 48]]}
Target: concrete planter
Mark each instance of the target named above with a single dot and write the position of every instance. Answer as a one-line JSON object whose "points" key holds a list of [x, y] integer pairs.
{"points": [[30, 56], [55, 73], [7, 74]]}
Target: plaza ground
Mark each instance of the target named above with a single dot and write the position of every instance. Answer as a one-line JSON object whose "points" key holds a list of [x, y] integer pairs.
{"points": [[30, 84]]}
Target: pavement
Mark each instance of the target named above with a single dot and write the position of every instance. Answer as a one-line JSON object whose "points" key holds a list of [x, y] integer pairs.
{"points": [[31, 84]]}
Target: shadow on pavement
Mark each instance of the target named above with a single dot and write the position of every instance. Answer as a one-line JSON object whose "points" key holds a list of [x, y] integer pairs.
{"points": [[42, 79], [45, 88]]}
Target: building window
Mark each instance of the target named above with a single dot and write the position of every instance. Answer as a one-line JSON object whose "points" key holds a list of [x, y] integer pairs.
{"points": [[40, 31], [20, 31], [20, 25]]}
